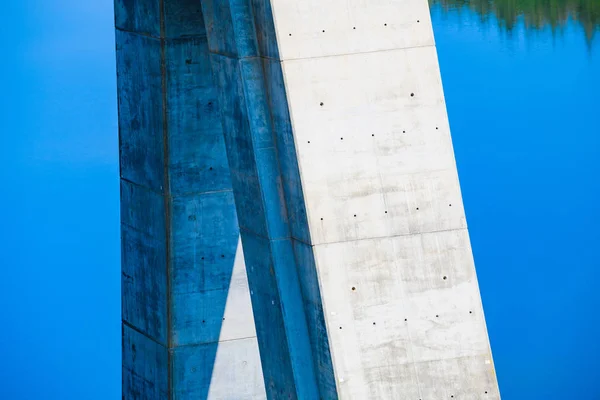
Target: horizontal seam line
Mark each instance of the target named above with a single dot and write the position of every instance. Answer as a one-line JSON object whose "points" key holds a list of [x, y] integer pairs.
{"points": [[138, 33], [184, 345], [144, 34], [486, 354], [231, 56], [235, 57], [127, 324], [172, 196], [211, 342], [278, 239], [202, 291], [359, 52], [393, 236]]}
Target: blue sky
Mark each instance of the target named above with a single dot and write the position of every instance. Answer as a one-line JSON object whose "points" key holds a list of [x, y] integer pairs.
{"points": [[526, 130], [60, 294]]}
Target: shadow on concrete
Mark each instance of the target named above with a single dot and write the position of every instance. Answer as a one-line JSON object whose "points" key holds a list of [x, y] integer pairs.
{"points": [[179, 228]]}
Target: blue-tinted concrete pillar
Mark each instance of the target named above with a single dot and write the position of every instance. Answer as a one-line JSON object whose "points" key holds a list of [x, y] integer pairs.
{"points": [[340, 159], [188, 331], [286, 300]]}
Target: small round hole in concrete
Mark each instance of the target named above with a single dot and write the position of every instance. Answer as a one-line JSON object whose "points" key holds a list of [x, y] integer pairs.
{"points": [[309, 141], [372, 134], [470, 312], [374, 323], [353, 288], [445, 277], [384, 24], [418, 21], [449, 205], [321, 104], [321, 219], [354, 215], [405, 319], [290, 34], [323, 30], [341, 138], [437, 316], [412, 95], [417, 208], [386, 212], [354, 28], [403, 131], [340, 327]]}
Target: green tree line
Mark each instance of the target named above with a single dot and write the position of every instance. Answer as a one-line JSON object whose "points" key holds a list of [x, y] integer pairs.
{"points": [[536, 14]]}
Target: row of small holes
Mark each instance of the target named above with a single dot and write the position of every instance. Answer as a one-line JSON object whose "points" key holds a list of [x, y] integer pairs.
{"points": [[355, 27], [452, 396], [203, 321], [222, 256], [385, 212], [373, 135], [406, 319]]}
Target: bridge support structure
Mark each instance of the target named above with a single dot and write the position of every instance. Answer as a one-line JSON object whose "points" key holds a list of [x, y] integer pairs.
{"points": [[341, 167]]}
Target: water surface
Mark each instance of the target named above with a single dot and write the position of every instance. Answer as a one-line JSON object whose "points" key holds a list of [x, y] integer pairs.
{"points": [[534, 14], [522, 85]]}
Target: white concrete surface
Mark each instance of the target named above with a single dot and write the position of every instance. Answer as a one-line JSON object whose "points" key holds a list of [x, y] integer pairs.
{"points": [[394, 261], [237, 371]]}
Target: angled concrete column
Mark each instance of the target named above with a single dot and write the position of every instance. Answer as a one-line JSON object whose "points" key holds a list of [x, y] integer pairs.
{"points": [[359, 261], [188, 331], [286, 303]]}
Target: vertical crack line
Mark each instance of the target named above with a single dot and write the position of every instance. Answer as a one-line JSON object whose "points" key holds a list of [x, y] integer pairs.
{"points": [[166, 193]]}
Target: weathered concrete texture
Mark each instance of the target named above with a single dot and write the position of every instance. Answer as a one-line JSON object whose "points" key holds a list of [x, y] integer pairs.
{"points": [[287, 308], [188, 330], [384, 206], [348, 200]]}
